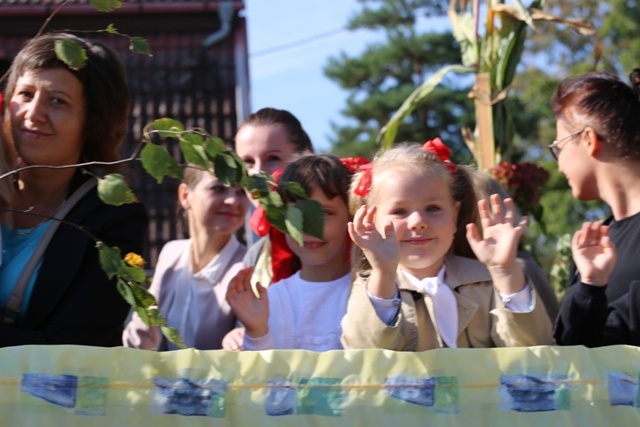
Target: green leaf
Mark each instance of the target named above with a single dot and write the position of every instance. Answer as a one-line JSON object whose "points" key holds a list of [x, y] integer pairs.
{"points": [[193, 151], [155, 317], [133, 274], [464, 32], [258, 185], [126, 293], [105, 5], [214, 146], [143, 314], [525, 13], [110, 259], [388, 133], [71, 53], [275, 216], [143, 296], [139, 45], [158, 162], [225, 169], [274, 199], [167, 127], [114, 190], [294, 188], [111, 29], [313, 214], [294, 222], [173, 335]]}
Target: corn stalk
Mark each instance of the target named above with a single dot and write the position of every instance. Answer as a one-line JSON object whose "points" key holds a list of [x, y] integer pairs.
{"points": [[493, 58]]}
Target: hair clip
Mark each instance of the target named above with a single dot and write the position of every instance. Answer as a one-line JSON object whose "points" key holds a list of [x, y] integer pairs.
{"points": [[441, 151]]}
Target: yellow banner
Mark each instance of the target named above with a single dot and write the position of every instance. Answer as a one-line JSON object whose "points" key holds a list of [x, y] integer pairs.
{"points": [[539, 386]]}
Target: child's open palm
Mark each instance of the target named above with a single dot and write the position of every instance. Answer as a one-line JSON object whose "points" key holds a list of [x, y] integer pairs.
{"points": [[497, 247], [251, 310], [382, 252], [594, 253]]}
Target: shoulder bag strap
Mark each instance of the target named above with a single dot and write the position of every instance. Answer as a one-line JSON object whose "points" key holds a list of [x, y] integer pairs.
{"points": [[12, 309]]}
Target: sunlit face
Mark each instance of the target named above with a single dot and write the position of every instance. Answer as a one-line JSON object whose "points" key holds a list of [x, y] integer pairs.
{"points": [[48, 113], [325, 259], [423, 213], [212, 206], [264, 148], [575, 163]]}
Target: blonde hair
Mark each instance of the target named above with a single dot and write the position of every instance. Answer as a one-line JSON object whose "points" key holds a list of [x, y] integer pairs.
{"points": [[411, 158]]}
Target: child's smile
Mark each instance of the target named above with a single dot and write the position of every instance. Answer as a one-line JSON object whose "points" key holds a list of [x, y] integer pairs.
{"points": [[423, 213]]}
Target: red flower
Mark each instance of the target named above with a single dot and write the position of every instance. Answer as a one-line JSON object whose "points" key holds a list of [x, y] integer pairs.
{"points": [[523, 181]]}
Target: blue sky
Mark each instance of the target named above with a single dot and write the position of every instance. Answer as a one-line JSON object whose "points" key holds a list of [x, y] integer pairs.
{"points": [[292, 79]]}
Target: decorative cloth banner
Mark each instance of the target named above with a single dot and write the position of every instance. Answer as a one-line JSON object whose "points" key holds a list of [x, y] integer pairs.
{"points": [[538, 386]]}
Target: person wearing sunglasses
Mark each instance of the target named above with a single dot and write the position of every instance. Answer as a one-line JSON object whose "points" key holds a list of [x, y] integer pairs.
{"points": [[598, 150]]}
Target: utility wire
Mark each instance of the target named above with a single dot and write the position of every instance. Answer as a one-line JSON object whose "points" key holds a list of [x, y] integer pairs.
{"points": [[296, 43]]}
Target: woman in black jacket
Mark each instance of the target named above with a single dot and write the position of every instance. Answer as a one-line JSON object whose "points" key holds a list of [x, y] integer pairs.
{"points": [[52, 288]]}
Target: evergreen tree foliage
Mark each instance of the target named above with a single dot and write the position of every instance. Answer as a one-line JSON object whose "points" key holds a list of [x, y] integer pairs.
{"points": [[384, 75]]}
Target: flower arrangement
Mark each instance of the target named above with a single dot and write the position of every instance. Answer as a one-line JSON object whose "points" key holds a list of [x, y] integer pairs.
{"points": [[524, 182]]}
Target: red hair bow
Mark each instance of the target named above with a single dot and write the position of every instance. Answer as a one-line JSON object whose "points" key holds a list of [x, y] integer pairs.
{"points": [[364, 185], [354, 164], [441, 151]]}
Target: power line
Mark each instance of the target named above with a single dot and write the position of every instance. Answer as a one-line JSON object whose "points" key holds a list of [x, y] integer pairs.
{"points": [[296, 43]]}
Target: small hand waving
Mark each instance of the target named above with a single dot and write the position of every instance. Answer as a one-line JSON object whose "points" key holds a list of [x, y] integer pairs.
{"points": [[382, 252], [594, 253], [498, 245], [252, 311]]}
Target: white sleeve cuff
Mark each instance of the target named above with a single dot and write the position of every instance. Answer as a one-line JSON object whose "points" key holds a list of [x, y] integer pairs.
{"points": [[521, 301]]}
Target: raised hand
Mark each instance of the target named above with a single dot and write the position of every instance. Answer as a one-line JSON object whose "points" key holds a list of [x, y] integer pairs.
{"points": [[382, 251], [594, 253], [252, 311], [498, 244], [497, 247]]}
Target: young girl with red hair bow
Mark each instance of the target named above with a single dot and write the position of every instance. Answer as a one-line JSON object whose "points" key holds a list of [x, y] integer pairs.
{"points": [[410, 292]]}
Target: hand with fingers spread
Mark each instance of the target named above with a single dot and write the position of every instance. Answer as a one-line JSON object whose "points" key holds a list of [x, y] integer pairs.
{"points": [[594, 253], [382, 251], [252, 311], [497, 247]]}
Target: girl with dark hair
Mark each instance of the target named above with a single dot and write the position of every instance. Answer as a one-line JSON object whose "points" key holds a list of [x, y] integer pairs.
{"points": [[267, 141], [52, 288], [303, 311]]}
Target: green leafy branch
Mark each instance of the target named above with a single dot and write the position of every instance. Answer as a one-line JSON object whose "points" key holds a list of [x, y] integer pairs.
{"points": [[131, 281], [208, 152]]}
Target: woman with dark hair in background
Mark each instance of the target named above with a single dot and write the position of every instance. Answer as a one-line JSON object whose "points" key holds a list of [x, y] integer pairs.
{"points": [[267, 141], [598, 150], [52, 288]]}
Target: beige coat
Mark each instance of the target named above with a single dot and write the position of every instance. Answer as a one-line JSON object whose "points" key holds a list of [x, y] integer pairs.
{"points": [[483, 321]]}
